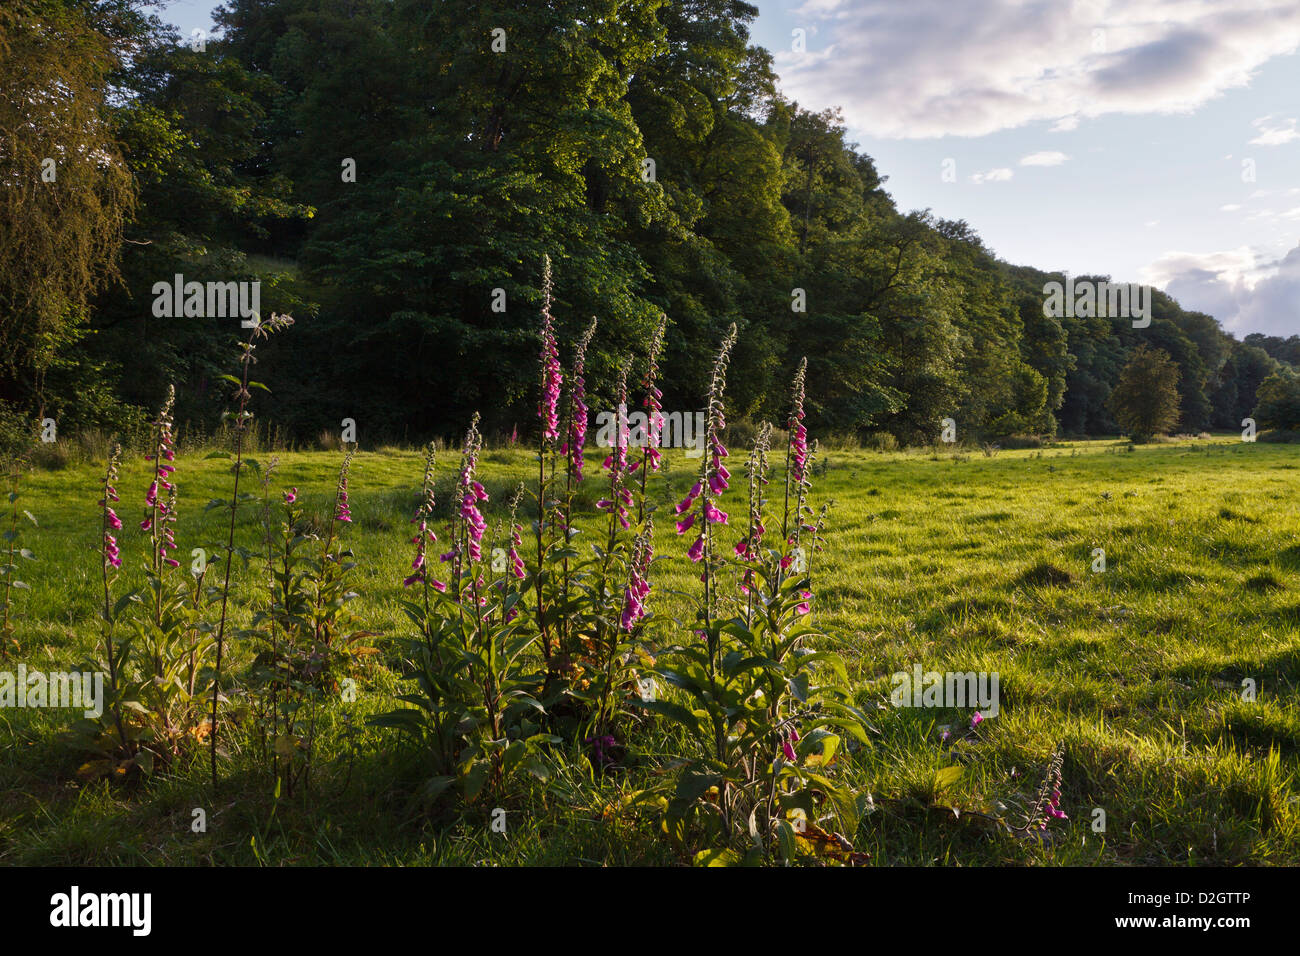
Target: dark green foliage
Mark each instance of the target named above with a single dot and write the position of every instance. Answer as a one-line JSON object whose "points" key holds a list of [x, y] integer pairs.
{"points": [[384, 168], [1145, 399], [1279, 401]]}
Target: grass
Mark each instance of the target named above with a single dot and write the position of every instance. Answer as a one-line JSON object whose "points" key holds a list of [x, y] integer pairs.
{"points": [[956, 562]]}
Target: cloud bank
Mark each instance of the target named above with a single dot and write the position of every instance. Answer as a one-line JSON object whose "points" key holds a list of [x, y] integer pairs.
{"points": [[1244, 293], [929, 68]]}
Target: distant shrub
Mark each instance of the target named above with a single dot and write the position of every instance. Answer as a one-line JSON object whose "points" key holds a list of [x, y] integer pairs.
{"points": [[1279, 401], [840, 441], [882, 441], [52, 456], [1145, 399], [740, 431], [1018, 442], [1281, 436], [16, 430]]}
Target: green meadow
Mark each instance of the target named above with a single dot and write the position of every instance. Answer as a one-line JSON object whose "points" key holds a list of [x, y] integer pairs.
{"points": [[954, 560]]}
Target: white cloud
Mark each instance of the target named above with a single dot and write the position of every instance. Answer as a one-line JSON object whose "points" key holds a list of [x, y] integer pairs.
{"points": [[1240, 287], [1230, 207], [1274, 133], [1065, 124], [999, 175], [1046, 158], [929, 68]]}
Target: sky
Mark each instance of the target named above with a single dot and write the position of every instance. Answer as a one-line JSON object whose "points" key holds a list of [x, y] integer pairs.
{"points": [[1154, 141]]}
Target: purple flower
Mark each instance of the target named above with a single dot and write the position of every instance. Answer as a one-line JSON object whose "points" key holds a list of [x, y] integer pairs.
{"points": [[601, 745], [638, 579], [549, 410]]}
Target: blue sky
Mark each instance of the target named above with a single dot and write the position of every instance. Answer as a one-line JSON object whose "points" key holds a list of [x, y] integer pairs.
{"points": [[1150, 140]]}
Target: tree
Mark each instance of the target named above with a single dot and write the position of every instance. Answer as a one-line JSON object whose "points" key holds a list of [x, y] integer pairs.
{"points": [[1145, 400], [1279, 400], [64, 187], [1238, 384]]}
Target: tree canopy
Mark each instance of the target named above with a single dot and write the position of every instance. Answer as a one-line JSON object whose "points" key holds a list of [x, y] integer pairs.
{"points": [[394, 171]]}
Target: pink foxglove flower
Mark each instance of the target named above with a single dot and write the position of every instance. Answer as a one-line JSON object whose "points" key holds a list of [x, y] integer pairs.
{"points": [[804, 606], [653, 400], [342, 511], [576, 440], [469, 493], [549, 410], [620, 495], [787, 745], [111, 554], [512, 554], [161, 515], [424, 535], [638, 584]]}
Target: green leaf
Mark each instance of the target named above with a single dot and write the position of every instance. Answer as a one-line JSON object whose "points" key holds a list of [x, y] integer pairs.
{"points": [[729, 857], [719, 857], [666, 708], [786, 839], [692, 784], [475, 778], [944, 779], [434, 786]]}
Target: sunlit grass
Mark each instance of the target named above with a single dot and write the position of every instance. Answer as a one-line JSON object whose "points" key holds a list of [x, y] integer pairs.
{"points": [[956, 561]]}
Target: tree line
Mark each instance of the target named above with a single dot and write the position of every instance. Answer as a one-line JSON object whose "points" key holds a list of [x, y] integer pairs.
{"points": [[392, 173]]}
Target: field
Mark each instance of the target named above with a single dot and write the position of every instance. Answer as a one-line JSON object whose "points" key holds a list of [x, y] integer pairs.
{"points": [[953, 560]]}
